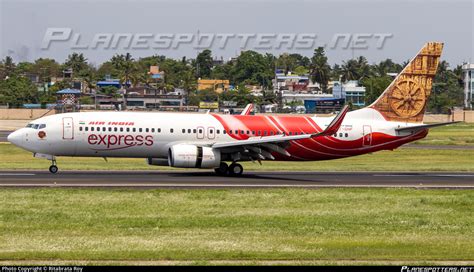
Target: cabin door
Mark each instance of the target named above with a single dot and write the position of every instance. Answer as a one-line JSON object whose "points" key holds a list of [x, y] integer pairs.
{"points": [[68, 128], [367, 140]]}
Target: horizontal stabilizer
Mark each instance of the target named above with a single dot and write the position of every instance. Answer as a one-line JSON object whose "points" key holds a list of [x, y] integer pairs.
{"points": [[422, 127]]}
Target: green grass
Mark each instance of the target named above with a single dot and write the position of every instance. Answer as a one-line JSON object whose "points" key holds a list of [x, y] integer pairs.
{"points": [[331, 225], [458, 134], [398, 160]]}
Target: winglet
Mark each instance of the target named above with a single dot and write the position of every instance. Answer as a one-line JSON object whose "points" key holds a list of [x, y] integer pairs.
{"points": [[248, 109], [335, 123]]}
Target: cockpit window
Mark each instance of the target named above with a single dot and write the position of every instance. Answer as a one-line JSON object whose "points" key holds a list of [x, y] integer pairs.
{"points": [[36, 126]]}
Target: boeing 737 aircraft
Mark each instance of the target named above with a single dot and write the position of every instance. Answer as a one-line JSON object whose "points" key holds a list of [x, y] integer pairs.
{"points": [[212, 140]]}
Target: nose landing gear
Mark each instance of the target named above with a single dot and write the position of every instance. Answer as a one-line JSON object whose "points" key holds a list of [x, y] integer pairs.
{"points": [[53, 169]]}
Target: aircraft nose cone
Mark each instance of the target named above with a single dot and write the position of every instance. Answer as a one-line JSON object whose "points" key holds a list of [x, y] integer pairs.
{"points": [[15, 138]]}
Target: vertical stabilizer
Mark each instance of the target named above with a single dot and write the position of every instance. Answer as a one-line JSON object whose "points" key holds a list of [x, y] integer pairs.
{"points": [[406, 97]]}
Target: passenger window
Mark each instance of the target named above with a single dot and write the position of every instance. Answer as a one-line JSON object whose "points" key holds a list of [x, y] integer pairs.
{"points": [[159, 130], [121, 129], [110, 129], [134, 129], [115, 129], [248, 132], [183, 130], [265, 133], [346, 135], [200, 131], [189, 130], [340, 134], [271, 132], [211, 131], [171, 130], [103, 128], [230, 131], [218, 131], [87, 128], [194, 131], [92, 128], [242, 132], [253, 132], [147, 130], [153, 130], [236, 132], [224, 132], [80, 128], [259, 132], [128, 129], [140, 130], [335, 135]]}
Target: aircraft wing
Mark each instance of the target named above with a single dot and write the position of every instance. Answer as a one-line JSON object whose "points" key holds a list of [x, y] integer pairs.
{"points": [[263, 146], [414, 129]]}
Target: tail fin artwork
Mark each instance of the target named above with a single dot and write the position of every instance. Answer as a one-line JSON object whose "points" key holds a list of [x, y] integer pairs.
{"points": [[406, 97]]}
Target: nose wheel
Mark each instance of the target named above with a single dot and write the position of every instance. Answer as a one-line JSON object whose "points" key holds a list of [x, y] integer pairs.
{"points": [[53, 169]]}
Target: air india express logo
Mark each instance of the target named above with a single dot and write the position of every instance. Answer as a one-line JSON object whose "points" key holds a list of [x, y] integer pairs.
{"points": [[115, 142]]}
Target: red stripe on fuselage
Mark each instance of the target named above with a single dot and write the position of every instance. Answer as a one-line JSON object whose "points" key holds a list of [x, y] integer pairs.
{"points": [[320, 148]]}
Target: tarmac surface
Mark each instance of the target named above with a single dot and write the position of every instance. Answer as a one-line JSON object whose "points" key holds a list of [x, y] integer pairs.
{"points": [[207, 179], [4, 135]]}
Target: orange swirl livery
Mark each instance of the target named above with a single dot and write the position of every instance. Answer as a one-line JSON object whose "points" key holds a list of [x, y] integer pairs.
{"points": [[221, 142], [406, 97]]}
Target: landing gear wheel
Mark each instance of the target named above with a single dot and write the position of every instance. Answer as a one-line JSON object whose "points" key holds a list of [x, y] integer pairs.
{"points": [[222, 169], [236, 169], [53, 169]]}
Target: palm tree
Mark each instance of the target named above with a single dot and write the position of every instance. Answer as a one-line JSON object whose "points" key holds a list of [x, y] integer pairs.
{"points": [[126, 66], [77, 62], [349, 70], [319, 68]]}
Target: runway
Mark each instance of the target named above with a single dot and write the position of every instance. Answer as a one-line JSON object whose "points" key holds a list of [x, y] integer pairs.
{"points": [[4, 134], [207, 179]]}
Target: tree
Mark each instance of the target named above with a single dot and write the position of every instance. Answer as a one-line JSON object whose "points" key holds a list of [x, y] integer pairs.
{"points": [[76, 61], [355, 69], [7, 67], [374, 87], [251, 67], [125, 65], [320, 69], [17, 90], [204, 64], [447, 89], [46, 69], [386, 66], [286, 62]]}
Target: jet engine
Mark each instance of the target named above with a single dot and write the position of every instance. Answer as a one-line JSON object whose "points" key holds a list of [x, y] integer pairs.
{"points": [[157, 161], [191, 156]]}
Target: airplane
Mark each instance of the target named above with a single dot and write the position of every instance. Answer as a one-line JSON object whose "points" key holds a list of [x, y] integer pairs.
{"points": [[220, 142]]}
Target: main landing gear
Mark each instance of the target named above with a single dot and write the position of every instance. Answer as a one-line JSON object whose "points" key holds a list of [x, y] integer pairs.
{"points": [[234, 169], [53, 169]]}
